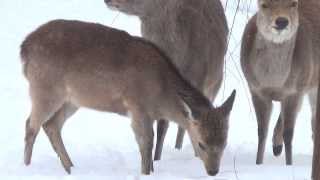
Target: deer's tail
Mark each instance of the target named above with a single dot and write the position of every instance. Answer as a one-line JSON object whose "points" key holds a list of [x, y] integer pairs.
{"points": [[24, 57]]}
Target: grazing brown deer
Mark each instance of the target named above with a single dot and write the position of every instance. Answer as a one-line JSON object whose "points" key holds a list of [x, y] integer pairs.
{"points": [[280, 59], [72, 64], [193, 33]]}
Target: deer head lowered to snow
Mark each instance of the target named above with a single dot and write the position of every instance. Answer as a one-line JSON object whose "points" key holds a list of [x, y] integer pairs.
{"points": [[193, 33]]}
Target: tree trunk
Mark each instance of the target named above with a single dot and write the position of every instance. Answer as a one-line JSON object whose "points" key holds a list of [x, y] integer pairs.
{"points": [[316, 150]]}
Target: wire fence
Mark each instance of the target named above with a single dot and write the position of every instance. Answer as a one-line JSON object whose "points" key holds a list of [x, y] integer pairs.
{"points": [[238, 13], [232, 58]]}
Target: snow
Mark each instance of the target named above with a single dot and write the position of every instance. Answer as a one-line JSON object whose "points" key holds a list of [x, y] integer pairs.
{"points": [[102, 145]]}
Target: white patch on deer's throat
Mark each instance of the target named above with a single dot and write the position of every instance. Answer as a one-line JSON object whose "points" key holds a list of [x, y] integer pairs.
{"points": [[276, 36]]}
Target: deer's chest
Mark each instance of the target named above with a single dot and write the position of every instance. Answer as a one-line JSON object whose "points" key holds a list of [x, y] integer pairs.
{"points": [[271, 64]]}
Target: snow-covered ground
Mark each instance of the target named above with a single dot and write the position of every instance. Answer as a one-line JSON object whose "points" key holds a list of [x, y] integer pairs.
{"points": [[102, 145]]}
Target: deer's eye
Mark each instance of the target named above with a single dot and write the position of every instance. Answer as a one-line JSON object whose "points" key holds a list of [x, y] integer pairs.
{"points": [[294, 4], [264, 6], [202, 147]]}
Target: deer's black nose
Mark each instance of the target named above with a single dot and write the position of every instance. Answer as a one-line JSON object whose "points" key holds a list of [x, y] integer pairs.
{"points": [[107, 1], [281, 23], [213, 172]]}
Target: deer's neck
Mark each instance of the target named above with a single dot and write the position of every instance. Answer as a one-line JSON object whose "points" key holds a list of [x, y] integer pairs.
{"points": [[154, 10]]}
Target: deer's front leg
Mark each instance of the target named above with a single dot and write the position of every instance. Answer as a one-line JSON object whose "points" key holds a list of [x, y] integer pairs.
{"points": [[143, 130], [263, 108], [289, 110]]}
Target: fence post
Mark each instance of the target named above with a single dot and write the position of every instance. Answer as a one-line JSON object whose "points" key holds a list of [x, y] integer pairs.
{"points": [[316, 150]]}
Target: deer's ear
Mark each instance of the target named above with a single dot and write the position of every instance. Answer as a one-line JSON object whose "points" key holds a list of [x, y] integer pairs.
{"points": [[188, 111], [228, 104]]}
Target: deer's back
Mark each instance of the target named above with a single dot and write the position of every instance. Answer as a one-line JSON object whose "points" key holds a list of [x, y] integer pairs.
{"points": [[63, 39], [91, 63]]}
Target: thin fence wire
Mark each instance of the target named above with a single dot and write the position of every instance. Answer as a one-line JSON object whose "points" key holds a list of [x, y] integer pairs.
{"points": [[234, 60], [235, 169], [228, 43], [242, 7], [115, 18]]}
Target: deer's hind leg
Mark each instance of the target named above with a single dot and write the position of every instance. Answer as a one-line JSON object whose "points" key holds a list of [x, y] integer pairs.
{"points": [[53, 129], [45, 102], [277, 139], [180, 136], [162, 127]]}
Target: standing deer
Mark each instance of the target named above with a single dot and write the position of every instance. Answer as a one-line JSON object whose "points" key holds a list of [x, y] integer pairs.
{"points": [[73, 64], [280, 59], [193, 33]]}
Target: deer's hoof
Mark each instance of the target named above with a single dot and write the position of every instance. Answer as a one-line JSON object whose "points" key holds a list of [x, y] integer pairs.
{"points": [[289, 162], [67, 169], [27, 155], [259, 162], [277, 150], [178, 146]]}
